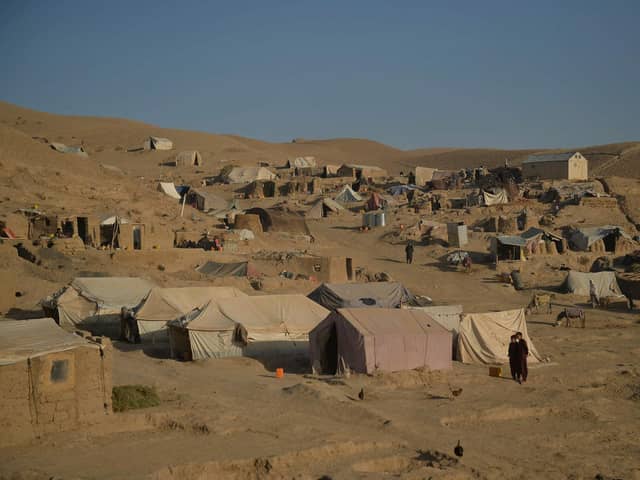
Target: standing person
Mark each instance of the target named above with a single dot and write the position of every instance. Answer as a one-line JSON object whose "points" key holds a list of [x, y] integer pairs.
{"points": [[593, 294], [467, 264], [513, 358], [523, 353], [409, 251]]}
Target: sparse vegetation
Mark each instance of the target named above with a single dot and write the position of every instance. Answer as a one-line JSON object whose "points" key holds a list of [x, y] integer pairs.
{"points": [[131, 397]]}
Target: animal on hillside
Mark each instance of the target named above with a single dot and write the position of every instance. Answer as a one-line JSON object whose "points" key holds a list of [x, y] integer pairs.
{"points": [[540, 300], [458, 450], [570, 315]]}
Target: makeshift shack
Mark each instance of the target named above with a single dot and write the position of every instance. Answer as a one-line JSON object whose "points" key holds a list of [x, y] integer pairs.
{"points": [[606, 284], [361, 171], [95, 303], [370, 340], [259, 189], [205, 201], [271, 328], [188, 158], [324, 207], [275, 220], [50, 380], [360, 295], [161, 305], [157, 143], [248, 221], [484, 337], [169, 189], [607, 238], [532, 242]]}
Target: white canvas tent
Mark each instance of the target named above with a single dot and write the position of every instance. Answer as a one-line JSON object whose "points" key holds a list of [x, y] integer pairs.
{"points": [[161, 305], [347, 195], [158, 143], [189, 158], [249, 174], [605, 282], [265, 327], [95, 303], [301, 162], [498, 198], [484, 337], [168, 188]]}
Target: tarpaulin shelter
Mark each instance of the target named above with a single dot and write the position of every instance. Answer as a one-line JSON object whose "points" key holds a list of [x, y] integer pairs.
{"points": [[157, 143], [229, 269], [161, 305], [248, 174], [520, 247], [367, 340], [499, 197], [584, 238], [301, 162], [189, 158], [50, 380], [168, 188], [62, 148], [484, 337], [359, 295], [95, 303], [605, 283], [275, 220], [375, 201], [266, 327], [323, 207], [347, 195]]}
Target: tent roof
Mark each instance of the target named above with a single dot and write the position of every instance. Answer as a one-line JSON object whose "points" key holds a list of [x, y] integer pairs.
{"points": [[390, 321], [62, 148], [446, 315], [347, 195], [169, 188], [112, 219], [549, 157], [278, 314], [164, 304], [23, 339], [372, 294], [249, 174], [301, 162], [512, 240], [112, 292], [605, 282]]}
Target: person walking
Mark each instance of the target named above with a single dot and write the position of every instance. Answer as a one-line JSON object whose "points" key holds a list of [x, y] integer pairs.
{"points": [[513, 358], [408, 250], [593, 294], [522, 354]]}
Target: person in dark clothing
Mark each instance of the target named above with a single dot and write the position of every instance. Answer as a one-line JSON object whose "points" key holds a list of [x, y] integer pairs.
{"points": [[409, 251], [513, 358], [523, 353]]}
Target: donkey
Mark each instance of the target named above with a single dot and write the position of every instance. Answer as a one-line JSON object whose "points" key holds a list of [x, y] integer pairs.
{"points": [[570, 315]]}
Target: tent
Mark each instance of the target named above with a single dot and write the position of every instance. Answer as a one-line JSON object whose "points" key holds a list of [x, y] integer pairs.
{"points": [[485, 337], [266, 327], [189, 158], [259, 189], [401, 189], [161, 305], [605, 282], [424, 175], [367, 340], [331, 170], [301, 162], [359, 295], [205, 201], [275, 220], [95, 303], [157, 143], [248, 174], [449, 316], [347, 195], [498, 198], [62, 148], [375, 201], [231, 269], [231, 210], [168, 188], [584, 238], [323, 207]]}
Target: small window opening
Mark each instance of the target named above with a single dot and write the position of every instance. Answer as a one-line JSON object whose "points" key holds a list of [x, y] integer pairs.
{"points": [[59, 371]]}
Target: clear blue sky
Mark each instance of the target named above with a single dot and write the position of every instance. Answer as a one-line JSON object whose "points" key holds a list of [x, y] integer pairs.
{"points": [[408, 73]]}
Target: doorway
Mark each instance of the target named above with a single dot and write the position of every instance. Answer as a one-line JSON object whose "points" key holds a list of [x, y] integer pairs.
{"points": [[349, 268], [83, 229], [137, 237]]}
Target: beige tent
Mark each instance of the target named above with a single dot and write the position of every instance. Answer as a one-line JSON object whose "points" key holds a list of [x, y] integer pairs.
{"points": [[484, 337], [189, 158], [324, 207], [205, 200], [605, 283], [449, 316], [157, 143], [498, 198], [95, 303], [249, 174], [424, 175], [301, 162], [366, 340], [265, 327], [168, 188], [164, 304]]}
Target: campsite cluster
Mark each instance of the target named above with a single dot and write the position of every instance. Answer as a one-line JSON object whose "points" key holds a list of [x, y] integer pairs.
{"points": [[264, 287]]}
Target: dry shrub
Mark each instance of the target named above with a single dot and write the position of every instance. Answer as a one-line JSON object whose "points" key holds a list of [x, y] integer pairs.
{"points": [[130, 397]]}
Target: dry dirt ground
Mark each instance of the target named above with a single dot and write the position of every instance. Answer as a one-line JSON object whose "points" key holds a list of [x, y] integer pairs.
{"points": [[578, 415]]}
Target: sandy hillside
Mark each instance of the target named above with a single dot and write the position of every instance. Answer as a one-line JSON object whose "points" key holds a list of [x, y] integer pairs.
{"points": [[577, 417]]}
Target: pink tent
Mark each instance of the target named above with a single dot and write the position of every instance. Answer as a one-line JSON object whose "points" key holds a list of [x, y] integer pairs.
{"points": [[365, 340]]}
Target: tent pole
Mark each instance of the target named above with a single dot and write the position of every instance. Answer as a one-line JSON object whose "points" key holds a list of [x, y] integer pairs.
{"points": [[184, 200]]}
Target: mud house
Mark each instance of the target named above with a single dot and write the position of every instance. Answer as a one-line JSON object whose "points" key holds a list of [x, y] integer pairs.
{"points": [[556, 166], [50, 380], [357, 172]]}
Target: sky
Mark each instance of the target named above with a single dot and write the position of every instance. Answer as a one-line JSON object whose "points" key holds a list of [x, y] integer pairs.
{"points": [[411, 74]]}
